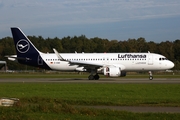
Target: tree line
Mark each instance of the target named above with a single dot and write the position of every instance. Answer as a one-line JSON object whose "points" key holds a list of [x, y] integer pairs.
{"points": [[170, 49]]}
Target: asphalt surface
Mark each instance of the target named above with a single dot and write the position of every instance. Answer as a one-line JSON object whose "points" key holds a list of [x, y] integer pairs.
{"points": [[102, 80], [139, 109]]}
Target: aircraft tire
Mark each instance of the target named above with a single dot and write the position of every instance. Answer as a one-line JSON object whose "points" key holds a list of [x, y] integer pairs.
{"points": [[91, 77], [96, 77], [150, 77]]}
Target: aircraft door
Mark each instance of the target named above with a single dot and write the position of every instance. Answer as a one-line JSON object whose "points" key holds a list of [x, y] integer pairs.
{"points": [[133, 62], [150, 59], [105, 60], [40, 60]]}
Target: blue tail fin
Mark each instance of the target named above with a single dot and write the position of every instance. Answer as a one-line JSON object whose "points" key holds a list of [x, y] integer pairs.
{"points": [[27, 53], [23, 45]]}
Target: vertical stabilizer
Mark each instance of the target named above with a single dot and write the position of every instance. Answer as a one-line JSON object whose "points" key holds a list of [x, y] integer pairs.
{"points": [[23, 45], [27, 53]]}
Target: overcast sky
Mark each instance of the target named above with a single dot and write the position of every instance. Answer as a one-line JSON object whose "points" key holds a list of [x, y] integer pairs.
{"points": [[155, 20]]}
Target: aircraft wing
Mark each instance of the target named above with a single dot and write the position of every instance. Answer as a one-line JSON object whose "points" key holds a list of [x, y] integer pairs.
{"points": [[84, 64], [91, 65], [87, 64]]}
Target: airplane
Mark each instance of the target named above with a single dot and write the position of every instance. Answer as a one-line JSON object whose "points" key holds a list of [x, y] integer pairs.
{"points": [[109, 64]]}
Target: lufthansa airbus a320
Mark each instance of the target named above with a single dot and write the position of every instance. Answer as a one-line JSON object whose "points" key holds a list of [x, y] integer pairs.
{"points": [[109, 64]]}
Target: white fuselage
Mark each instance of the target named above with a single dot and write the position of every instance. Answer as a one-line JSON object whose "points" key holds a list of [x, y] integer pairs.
{"points": [[126, 61]]}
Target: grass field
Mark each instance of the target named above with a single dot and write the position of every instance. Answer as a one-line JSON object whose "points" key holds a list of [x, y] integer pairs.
{"points": [[59, 100]]}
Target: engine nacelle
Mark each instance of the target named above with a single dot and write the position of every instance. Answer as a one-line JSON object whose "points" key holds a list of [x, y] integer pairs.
{"points": [[113, 71], [80, 69]]}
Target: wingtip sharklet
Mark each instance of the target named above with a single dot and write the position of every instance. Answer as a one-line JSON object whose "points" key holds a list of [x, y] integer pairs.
{"points": [[58, 55]]}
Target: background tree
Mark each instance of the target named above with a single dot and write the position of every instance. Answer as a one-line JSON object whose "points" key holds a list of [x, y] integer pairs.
{"points": [[141, 45], [166, 49], [176, 47], [152, 47]]}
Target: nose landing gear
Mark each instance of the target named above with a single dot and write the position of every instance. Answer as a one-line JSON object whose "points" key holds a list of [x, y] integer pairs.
{"points": [[150, 75]]}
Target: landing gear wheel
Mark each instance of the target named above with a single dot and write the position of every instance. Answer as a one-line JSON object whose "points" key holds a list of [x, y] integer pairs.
{"points": [[150, 77], [91, 77], [96, 77]]}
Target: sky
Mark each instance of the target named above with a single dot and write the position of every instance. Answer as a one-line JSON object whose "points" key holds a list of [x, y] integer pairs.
{"points": [[154, 20]]}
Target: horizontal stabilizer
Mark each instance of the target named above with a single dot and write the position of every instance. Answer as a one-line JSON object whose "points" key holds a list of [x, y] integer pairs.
{"points": [[14, 58]]}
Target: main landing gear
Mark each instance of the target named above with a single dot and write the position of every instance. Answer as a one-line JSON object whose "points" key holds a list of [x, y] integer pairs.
{"points": [[93, 77], [150, 75]]}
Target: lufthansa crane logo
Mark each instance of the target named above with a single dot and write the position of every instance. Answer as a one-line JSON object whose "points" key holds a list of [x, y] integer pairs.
{"points": [[22, 46]]}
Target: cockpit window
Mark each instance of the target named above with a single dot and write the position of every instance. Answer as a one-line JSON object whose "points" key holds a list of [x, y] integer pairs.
{"points": [[163, 59]]}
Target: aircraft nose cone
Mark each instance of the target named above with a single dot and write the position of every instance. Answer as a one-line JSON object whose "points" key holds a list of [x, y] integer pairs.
{"points": [[171, 64]]}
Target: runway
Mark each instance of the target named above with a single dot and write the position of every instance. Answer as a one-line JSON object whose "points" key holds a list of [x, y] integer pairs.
{"points": [[102, 80]]}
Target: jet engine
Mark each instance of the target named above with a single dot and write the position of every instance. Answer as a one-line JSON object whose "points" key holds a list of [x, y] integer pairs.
{"points": [[114, 71], [80, 69]]}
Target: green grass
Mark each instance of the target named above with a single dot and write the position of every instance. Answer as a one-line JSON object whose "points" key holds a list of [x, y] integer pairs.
{"points": [[96, 94], [66, 112], [59, 100]]}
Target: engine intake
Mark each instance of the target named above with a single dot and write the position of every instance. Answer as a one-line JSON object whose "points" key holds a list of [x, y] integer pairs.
{"points": [[113, 71]]}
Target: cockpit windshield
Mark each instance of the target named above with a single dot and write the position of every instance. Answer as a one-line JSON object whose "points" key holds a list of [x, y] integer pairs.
{"points": [[163, 59]]}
